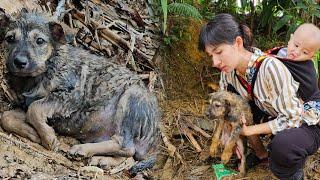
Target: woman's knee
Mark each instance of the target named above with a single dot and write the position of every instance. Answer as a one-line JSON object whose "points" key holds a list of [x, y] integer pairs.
{"points": [[289, 147]]}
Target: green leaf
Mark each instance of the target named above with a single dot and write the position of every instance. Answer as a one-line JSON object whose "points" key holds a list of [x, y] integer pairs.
{"points": [[244, 3], [283, 21], [202, 1], [267, 13], [183, 9], [164, 7], [301, 5], [316, 65], [316, 62]]}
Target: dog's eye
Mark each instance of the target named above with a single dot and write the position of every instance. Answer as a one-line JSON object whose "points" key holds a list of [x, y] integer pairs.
{"points": [[10, 39], [40, 41]]}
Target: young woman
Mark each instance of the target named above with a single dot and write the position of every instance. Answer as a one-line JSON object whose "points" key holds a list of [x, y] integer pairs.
{"points": [[274, 93]]}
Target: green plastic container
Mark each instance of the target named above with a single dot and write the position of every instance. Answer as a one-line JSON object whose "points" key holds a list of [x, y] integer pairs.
{"points": [[221, 171]]}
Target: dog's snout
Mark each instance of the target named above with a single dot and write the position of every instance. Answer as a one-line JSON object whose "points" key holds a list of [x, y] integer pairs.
{"points": [[20, 62], [207, 113]]}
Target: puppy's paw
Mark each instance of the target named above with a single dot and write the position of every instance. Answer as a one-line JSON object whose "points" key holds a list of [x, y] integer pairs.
{"points": [[225, 157], [214, 148]]}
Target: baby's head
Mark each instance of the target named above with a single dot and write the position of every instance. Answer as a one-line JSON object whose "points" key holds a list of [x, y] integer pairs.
{"points": [[304, 42]]}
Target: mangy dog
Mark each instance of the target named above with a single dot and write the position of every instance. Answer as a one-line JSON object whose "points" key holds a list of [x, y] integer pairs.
{"points": [[67, 90], [228, 108]]}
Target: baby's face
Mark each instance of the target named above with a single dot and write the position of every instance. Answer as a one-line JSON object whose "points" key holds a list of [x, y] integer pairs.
{"points": [[301, 46]]}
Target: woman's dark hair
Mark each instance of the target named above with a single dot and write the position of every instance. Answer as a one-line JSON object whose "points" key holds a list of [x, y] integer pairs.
{"points": [[224, 29]]}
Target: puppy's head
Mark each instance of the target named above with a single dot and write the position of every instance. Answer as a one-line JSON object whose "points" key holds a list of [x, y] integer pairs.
{"points": [[219, 105], [225, 105], [30, 40]]}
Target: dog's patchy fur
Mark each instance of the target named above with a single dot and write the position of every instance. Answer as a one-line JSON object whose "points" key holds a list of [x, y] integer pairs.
{"points": [[228, 108], [77, 93]]}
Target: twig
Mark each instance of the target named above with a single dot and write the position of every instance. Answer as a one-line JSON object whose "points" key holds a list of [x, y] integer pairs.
{"points": [[172, 150], [130, 56], [110, 36], [193, 141], [152, 80], [60, 10], [11, 95], [196, 128]]}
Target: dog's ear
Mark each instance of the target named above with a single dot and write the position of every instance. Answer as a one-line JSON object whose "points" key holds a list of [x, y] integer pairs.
{"points": [[57, 32], [232, 111], [4, 22]]}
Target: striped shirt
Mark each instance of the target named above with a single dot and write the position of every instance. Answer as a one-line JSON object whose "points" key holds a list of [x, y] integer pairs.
{"points": [[275, 91]]}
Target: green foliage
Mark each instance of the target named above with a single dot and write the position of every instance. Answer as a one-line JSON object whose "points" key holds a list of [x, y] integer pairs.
{"points": [[164, 7], [283, 21], [176, 30], [316, 61], [269, 9], [272, 21], [288, 15], [265, 43], [225, 6], [174, 14], [183, 9], [206, 9]]}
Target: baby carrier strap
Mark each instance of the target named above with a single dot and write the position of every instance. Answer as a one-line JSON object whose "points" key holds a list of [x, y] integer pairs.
{"points": [[257, 113], [249, 86]]}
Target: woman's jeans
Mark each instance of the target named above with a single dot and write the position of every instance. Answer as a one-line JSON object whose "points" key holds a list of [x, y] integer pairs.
{"points": [[290, 148]]}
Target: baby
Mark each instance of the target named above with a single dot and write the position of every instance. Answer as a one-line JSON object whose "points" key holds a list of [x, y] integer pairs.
{"points": [[302, 46], [303, 43]]}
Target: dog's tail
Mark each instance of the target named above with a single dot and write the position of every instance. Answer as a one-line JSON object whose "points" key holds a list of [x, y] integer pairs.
{"points": [[143, 165]]}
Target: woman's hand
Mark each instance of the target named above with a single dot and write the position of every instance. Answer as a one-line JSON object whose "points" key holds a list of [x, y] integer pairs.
{"points": [[245, 130], [254, 129]]}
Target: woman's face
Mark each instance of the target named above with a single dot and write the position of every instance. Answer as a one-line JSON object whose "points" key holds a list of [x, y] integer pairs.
{"points": [[224, 56]]}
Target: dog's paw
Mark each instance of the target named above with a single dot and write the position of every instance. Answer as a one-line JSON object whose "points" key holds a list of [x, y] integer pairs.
{"points": [[213, 149], [81, 150], [106, 162], [242, 173], [50, 142], [225, 157], [33, 136]]}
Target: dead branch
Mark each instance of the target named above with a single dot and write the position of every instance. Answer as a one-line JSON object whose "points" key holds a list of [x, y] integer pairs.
{"points": [[110, 36], [196, 128], [171, 148], [192, 140]]}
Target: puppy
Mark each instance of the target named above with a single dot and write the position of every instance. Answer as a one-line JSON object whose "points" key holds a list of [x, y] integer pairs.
{"points": [[228, 109]]}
